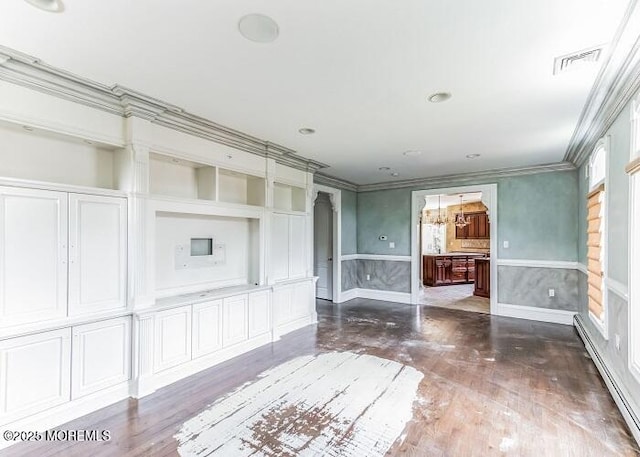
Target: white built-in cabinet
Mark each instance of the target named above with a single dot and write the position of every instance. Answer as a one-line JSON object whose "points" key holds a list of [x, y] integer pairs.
{"points": [[34, 373], [235, 319], [173, 338], [97, 253], [259, 313], [207, 328], [292, 302], [289, 251], [61, 254], [33, 255], [101, 355]]}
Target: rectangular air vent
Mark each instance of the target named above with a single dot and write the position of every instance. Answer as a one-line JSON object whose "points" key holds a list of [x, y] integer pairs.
{"points": [[576, 60]]}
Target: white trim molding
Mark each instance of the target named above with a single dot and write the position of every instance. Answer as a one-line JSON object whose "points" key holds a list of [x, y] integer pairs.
{"points": [[618, 288], [539, 263], [335, 195], [388, 258], [554, 316], [634, 272], [385, 295], [619, 392]]}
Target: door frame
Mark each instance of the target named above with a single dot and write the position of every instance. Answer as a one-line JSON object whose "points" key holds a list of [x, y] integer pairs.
{"points": [[335, 196], [490, 199]]}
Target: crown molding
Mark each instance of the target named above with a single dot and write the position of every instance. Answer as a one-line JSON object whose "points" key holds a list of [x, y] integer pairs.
{"points": [[31, 72], [617, 81], [467, 178], [332, 181]]}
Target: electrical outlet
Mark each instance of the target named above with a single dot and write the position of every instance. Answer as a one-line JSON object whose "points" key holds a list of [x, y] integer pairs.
{"points": [[392, 245], [618, 342], [505, 244], [552, 292], [368, 277]]}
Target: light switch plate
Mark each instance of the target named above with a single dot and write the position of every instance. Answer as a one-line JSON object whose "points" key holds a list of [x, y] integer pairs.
{"points": [[505, 244]]}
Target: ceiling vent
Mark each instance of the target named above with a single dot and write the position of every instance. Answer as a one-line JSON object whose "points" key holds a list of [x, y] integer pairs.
{"points": [[576, 60]]}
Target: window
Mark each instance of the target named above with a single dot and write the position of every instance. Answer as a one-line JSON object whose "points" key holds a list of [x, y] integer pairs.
{"points": [[596, 236]]}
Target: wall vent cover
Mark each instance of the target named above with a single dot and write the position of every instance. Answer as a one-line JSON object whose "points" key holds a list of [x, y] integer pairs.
{"points": [[576, 60]]}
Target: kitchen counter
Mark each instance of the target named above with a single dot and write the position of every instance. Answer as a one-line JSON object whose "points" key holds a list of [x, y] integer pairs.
{"points": [[449, 268]]}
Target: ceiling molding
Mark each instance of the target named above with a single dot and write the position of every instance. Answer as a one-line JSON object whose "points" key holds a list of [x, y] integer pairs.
{"points": [[31, 72], [464, 178], [615, 85], [331, 181]]}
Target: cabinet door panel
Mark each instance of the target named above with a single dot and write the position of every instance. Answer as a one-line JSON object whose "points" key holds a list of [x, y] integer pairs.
{"points": [[173, 338], [97, 253], [234, 320], [302, 301], [101, 355], [279, 247], [33, 255], [282, 299], [34, 373], [297, 246], [207, 327], [259, 313]]}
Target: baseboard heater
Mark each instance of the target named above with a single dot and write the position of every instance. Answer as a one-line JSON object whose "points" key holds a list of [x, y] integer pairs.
{"points": [[617, 390]]}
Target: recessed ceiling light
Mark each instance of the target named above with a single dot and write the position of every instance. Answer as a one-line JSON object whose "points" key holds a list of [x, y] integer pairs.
{"points": [[384, 168], [51, 6], [412, 153], [258, 28], [472, 156], [27, 128], [394, 174], [306, 131], [439, 97]]}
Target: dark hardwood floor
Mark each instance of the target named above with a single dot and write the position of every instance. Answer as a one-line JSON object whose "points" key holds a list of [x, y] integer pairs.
{"points": [[491, 386]]}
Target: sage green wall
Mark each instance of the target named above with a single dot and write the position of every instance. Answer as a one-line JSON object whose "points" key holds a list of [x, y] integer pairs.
{"points": [[349, 231], [538, 215]]}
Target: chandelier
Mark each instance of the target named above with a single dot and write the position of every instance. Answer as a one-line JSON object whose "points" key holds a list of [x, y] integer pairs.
{"points": [[461, 220], [439, 219]]}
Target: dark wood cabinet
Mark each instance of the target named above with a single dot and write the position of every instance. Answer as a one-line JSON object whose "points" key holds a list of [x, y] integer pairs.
{"points": [[443, 269], [483, 281], [478, 228]]}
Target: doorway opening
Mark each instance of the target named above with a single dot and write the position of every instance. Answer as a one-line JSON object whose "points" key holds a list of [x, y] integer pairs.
{"points": [[453, 243], [454, 236], [323, 246]]}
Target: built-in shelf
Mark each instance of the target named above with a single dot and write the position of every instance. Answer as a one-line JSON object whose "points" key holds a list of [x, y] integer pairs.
{"points": [[36, 155], [289, 198], [174, 177]]}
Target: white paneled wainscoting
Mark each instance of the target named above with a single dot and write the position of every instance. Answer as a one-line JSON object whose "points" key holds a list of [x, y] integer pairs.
{"points": [[138, 257]]}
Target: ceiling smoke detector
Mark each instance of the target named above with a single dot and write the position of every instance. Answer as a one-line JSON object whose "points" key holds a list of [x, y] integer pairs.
{"points": [[575, 60], [51, 6], [258, 28]]}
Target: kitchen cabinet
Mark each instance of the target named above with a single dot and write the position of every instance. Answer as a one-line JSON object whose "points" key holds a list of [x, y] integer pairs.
{"points": [[477, 229], [454, 268], [482, 283]]}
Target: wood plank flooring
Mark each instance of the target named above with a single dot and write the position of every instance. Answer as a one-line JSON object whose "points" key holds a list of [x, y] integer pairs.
{"points": [[490, 386]]}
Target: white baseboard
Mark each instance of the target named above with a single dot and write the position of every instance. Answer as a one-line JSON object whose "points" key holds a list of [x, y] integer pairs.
{"points": [[624, 401], [347, 295], [54, 417], [555, 316], [373, 294]]}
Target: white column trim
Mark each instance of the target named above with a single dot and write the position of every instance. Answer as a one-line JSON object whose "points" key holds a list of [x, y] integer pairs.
{"points": [[335, 195]]}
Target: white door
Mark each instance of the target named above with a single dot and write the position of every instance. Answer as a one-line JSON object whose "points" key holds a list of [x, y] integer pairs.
{"points": [[173, 338], [101, 355], [33, 255], [234, 320], [259, 313], [207, 327], [279, 247], [34, 373], [323, 246], [297, 247], [97, 253]]}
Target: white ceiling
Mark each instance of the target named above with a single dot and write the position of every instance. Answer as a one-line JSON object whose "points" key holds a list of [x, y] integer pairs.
{"points": [[358, 72]]}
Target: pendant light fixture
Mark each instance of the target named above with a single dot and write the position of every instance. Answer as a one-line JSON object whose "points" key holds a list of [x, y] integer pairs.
{"points": [[461, 220], [439, 219]]}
